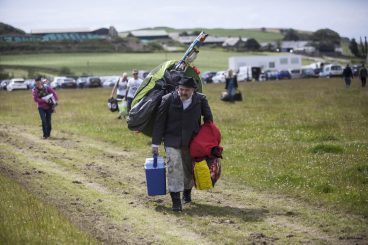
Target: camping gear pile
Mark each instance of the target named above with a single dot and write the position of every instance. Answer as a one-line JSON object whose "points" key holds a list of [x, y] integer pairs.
{"points": [[160, 81]]}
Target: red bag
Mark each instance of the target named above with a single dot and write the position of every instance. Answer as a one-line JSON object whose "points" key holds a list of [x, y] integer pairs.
{"points": [[207, 142]]}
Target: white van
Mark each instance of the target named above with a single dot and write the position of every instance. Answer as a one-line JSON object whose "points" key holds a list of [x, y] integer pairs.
{"points": [[244, 73], [331, 70]]}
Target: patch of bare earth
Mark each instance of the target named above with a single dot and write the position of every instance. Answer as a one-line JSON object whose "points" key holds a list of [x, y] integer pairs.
{"points": [[101, 188]]}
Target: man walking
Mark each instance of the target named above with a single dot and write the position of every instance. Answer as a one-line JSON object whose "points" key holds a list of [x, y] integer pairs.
{"points": [[177, 121], [42, 95], [347, 73], [363, 75]]}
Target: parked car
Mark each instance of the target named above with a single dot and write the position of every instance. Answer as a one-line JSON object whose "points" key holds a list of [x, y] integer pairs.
{"points": [[30, 83], [16, 84], [207, 76], [109, 81], [271, 75], [4, 83], [219, 77], [284, 74], [244, 74], [308, 73], [63, 82], [331, 70], [355, 69], [295, 73], [89, 82]]}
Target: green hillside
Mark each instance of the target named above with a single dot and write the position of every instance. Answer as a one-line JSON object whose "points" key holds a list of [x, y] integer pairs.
{"points": [[260, 34], [6, 29]]}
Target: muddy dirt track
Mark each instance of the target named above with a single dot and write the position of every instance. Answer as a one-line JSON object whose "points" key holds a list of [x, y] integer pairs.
{"points": [[102, 190]]}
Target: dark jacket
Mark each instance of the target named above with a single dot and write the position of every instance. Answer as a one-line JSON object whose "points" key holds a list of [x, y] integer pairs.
{"points": [[347, 72], [175, 126], [228, 82]]}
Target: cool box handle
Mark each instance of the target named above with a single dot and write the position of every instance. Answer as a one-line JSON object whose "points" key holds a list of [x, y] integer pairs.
{"points": [[155, 160]]}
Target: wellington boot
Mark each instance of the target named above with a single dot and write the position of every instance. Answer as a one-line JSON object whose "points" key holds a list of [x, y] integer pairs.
{"points": [[175, 197], [187, 197]]}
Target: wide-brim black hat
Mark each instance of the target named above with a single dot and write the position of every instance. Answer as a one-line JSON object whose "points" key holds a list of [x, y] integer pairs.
{"points": [[188, 82]]}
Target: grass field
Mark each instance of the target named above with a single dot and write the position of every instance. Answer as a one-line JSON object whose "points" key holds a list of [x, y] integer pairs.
{"points": [[107, 64], [299, 139], [27, 220], [114, 64], [307, 138]]}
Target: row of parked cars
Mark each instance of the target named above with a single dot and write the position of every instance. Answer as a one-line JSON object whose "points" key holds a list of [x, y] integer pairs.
{"points": [[244, 73], [247, 73], [61, 82], [67, 82]]}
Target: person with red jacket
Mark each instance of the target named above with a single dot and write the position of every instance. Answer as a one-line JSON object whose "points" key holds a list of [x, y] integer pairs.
{"points": [[46, 98]]}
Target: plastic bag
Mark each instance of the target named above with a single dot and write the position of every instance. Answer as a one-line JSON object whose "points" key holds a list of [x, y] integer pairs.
{"points": [[202, 176], [123, 107]]}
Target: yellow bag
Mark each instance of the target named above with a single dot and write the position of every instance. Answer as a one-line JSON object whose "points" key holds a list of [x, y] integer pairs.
{"points": [[202, 176]]}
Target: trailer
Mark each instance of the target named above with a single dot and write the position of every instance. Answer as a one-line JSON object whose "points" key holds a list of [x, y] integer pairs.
{"points": [[274, 62]]}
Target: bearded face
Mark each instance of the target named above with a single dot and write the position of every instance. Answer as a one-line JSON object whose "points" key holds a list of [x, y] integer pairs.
{"points": [[185, 92]]}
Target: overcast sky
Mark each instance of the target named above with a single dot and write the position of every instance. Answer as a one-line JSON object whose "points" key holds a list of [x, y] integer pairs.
{"points": [[348, 17]]}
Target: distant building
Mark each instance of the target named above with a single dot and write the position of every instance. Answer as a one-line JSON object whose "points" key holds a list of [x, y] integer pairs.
{"points": [[209, 40], [268, 46], [148, 35], [276, 62], [297, 46], [45, 35], [19, 38], [234, 42]]}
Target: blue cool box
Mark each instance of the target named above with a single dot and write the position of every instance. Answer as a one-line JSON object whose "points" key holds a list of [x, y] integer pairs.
{"points": [[155, 176]]}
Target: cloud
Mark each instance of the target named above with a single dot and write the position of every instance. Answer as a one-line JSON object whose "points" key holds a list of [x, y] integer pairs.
{"points": [[345, 17]]}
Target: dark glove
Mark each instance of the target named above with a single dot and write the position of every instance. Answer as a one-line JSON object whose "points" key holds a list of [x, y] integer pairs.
{"points": [[217, 151]]}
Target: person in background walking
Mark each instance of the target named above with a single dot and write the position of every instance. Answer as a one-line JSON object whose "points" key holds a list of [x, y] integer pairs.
{"points": [[132, 87], [231, 84], [347, 73], [178, 120], [363, 75], [45, 104], [120, 87]]}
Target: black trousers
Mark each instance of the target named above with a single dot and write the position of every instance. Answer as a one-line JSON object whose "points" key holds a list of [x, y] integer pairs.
{"points": [[364, 81]]}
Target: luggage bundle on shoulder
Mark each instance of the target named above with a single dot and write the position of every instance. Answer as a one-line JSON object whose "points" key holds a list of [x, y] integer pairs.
{"points": [[160, 81]]}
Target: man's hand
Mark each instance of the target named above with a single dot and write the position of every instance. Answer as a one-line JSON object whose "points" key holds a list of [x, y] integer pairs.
{"points": [[155, 150]]}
